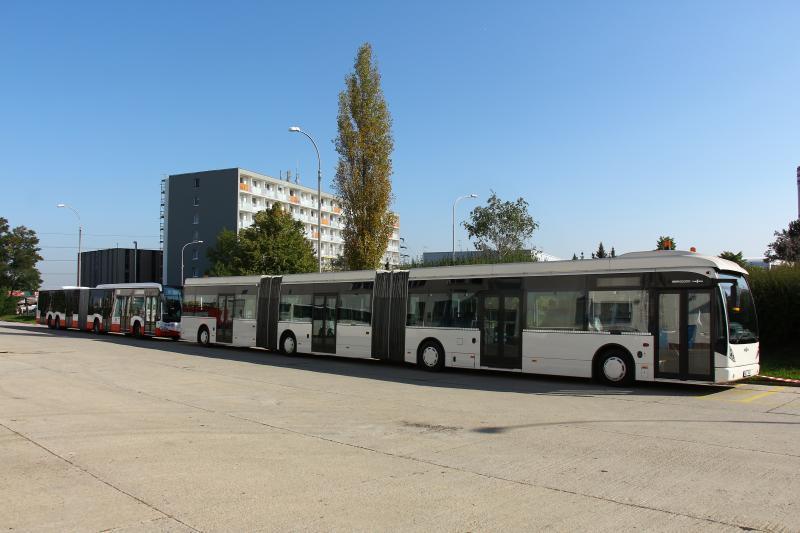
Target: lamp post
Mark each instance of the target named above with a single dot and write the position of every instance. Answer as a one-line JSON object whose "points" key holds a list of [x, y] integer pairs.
{"points": [[454, 221], [80, 235], [135, 261], [183, 280], [296, 129]]}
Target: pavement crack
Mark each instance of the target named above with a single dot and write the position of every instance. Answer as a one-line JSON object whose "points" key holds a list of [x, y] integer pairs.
{"points": [[95, 476]]}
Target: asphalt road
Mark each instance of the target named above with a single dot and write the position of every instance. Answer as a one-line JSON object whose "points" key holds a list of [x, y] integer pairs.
{"points": [[110, 433]]}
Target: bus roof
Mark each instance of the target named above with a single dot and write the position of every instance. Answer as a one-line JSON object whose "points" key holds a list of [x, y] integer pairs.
{"points": [[129, 286], [630, 262]]}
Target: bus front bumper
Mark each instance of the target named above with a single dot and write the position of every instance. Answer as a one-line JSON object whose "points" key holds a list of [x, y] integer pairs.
{"points": [[735, 373]]}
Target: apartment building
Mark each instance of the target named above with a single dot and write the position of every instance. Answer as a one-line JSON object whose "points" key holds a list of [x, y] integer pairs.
{"points": [[198, 205]]}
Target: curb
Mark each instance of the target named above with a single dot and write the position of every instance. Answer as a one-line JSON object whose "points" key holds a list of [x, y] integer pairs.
{"points": [[782, 380]]}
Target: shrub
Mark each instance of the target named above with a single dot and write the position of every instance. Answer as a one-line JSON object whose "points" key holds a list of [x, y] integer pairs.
{"points": [[777, 296]]}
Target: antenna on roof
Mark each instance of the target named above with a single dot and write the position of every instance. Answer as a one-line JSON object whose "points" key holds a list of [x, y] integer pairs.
{"points": [[297, 171]]}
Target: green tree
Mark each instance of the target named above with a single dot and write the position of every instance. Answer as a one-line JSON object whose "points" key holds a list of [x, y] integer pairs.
{"points": [[363, 172], [665, 243], [737, 258], [613, 252], [274, 244], [19, 253], [786, 247], [601, 252], [574, 257], [501, 228]]}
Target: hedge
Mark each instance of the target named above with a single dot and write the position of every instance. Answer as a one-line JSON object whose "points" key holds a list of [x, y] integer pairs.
{"points": [[777, 295]]}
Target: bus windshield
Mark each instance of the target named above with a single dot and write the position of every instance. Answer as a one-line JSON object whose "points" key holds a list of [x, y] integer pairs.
{"points": [[172, 304], [742, 321]]}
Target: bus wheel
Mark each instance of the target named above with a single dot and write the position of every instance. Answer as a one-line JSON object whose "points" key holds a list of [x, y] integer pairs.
{"points": [[615, 367], [57, 323], [137, 330], [96, 327], [203, 336], [430, 356], [288, 344], [50, 322]]}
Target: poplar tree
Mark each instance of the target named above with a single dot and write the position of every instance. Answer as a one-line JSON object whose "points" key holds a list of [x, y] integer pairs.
{"points": [[363, 172]]}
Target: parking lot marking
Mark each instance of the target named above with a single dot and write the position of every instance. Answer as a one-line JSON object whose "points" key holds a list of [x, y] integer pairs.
{"points": [[760, 395]]}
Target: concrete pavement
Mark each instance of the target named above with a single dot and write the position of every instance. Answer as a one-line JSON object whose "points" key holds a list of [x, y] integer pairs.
{"points": [[111, 433]]}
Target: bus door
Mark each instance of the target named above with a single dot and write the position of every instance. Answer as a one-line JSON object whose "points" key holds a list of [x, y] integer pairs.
{"points": [[151, 313], [124, 313], [684, 341], [323, 325], [225, 317], [500, 316]]}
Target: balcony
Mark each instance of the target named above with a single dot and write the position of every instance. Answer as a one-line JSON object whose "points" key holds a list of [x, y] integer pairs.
{"points": [[244, 187]]}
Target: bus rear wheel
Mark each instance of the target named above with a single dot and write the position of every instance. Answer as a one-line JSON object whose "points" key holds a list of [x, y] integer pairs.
{"points": [[137, 330], [96, 327], [288, 344], [203, 336], [57, 324], [50, 322], [615, 367], [430, 356]]}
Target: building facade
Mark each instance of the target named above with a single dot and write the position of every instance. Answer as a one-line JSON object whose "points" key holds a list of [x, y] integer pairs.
{"points": [[199, 205], [120, 265]]}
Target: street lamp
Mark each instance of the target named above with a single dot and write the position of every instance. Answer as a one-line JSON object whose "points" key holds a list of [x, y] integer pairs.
{"points": [[183, 280], [80, 235], [454, 221], [296, 129]]}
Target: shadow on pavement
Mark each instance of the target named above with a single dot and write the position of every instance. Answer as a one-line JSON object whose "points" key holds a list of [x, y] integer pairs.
{"points": [[482, 380]]}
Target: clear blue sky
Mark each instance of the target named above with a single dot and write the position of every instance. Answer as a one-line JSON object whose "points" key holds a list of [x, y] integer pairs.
{"points": [[617, 121]]}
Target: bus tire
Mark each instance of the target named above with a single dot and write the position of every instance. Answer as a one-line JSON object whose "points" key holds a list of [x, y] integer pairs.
{"points": [[50, 322], [96, 327], [430, 356], [288, 344], [57, 323], [615, 367], [203, 336], [137, 330]]}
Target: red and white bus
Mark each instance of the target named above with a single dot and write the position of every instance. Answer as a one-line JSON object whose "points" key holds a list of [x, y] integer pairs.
{"points": [[138, 309]]}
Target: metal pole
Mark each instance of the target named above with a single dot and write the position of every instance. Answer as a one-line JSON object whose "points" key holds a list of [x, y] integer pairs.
{"points": [[80, 236], [135, 262], [454, 222], [319, 196]]}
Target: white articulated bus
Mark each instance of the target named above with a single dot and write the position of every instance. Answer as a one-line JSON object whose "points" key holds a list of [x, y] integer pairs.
{"points": [[663, 316]]}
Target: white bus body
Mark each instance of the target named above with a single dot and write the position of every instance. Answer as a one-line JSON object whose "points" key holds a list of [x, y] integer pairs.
{"points": [[664, 316]]}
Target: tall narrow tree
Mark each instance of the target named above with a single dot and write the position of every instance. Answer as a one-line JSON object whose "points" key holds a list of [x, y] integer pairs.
{"points": [[363, 173]]}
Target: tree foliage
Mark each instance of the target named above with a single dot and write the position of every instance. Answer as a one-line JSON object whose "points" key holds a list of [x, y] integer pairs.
{"points": [[363, 172], [737, 258], [601, 252], [19, 253], [786, 246], [501, 227], [274, 244], [665, 243]]}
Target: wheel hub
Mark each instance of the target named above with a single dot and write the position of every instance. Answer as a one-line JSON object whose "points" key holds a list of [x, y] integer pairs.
{"points": [[614, 368], [430, 356]]}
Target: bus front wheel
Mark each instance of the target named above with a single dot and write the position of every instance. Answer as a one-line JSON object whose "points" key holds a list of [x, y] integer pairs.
{"points": [[203, 336], [615, 367], [96, 327], [50, 322], [57, 323], [137, 330]]}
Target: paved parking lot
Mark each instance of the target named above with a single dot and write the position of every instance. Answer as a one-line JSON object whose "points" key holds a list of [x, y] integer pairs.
{"points": [[110, 433]]}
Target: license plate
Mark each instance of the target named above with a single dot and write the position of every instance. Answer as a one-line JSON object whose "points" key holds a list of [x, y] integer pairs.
{"points": [[747, 373]]}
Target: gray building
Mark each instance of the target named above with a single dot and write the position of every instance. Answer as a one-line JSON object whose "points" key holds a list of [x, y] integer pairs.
{"points": [[199, 205], [120, 265]]}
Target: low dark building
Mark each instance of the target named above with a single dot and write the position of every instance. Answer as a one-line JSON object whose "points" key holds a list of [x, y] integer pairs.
{"points": [[120, 265]]}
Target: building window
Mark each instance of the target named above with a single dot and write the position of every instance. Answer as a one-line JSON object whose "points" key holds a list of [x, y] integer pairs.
{"points": [[196, 200], [196, 219], [197, 183], [195, 236], [194, 272], [196, 254]]}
